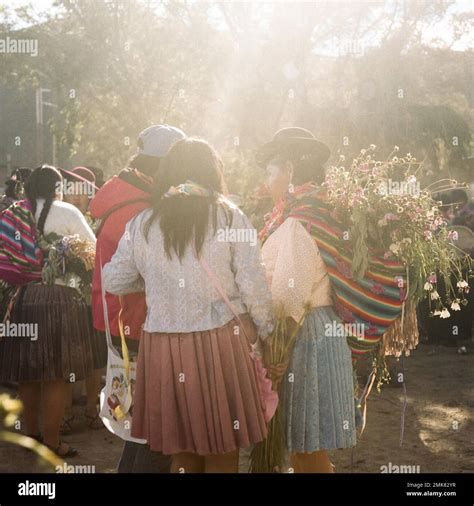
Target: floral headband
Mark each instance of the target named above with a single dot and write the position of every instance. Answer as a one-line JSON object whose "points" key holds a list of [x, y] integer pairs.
{"points": [[189, 188]]}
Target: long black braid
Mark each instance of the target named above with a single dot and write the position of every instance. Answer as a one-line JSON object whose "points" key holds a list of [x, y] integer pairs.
{"points": [[44, 182]]}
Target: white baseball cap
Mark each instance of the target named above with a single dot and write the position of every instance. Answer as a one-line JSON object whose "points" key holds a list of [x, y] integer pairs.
{"points": [[156, 140]]}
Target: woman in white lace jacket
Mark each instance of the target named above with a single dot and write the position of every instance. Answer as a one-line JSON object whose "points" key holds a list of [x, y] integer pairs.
{"points": [[196, 394]]}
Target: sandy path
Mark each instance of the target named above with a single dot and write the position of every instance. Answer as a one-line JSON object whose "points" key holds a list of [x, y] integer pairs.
{"points": [[439, 424]]}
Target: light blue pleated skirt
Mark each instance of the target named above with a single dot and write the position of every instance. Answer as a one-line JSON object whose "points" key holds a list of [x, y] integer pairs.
{"points": [[318, 394]]}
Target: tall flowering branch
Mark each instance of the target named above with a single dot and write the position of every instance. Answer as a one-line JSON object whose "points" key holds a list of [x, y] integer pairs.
{"points": [[386, 210]]}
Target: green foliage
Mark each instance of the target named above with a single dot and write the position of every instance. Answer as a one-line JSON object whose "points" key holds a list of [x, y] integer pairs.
{"points": [[234, 72], [359, 234]]}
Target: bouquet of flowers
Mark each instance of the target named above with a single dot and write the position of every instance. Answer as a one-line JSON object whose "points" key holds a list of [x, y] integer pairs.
{"points": [[70, 259], [385, 209], [269, 455]]}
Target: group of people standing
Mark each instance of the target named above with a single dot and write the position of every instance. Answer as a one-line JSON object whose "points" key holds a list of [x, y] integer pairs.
{"points": [[197, 305]]}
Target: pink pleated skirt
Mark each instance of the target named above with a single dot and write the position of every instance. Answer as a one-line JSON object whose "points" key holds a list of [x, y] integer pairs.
{"points": [[198, 392]]}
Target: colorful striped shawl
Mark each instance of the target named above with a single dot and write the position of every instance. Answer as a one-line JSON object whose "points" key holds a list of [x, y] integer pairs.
{"points": [[21, 259], [374, 301]]}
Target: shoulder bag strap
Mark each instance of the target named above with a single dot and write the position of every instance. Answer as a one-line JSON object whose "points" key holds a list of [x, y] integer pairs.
{"points": [[116, 208]]}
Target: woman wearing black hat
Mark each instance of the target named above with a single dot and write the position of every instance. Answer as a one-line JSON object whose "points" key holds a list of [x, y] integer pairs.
{"points": [[317, 388]]}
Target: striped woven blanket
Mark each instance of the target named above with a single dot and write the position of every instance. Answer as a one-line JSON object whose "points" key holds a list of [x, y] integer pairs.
{"points": [[21, 259], [371, 303]]}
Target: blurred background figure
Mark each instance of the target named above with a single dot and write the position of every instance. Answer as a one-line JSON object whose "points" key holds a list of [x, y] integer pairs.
{"points": [[98, 174], [14, 187], [78, 190], [79, 187]]}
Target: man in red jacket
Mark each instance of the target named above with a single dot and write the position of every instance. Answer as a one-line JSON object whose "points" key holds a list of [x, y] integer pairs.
{"points": [[115, 204]]}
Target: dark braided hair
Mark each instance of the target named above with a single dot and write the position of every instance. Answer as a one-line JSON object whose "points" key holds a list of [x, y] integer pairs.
{"points": [[44, 183]]}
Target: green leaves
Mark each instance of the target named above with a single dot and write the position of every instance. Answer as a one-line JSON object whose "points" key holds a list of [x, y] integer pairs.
{"points": [[52, 267], [360, 260]]}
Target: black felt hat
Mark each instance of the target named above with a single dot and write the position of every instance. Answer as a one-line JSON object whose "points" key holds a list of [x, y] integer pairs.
{"points": [[294, 142]]}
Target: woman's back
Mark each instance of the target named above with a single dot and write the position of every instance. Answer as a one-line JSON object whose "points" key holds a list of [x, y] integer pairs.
{"points": [[196, 376], [179, 294], [64, 219]]}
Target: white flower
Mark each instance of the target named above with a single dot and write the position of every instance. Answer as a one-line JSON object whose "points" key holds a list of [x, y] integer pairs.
{"points": [[395, 247], [462, 284], [437, 312], [434, 295], [428, 286], [455, 306], [444, 313]]}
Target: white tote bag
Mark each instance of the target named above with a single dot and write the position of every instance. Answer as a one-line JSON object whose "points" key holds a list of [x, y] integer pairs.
{"points": [[116, 398]]}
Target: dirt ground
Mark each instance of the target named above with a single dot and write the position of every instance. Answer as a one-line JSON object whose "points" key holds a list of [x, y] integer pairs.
{"points": [[438, 429]]}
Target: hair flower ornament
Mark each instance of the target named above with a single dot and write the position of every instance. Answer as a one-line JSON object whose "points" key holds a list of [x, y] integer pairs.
{"points": [[188, 189]]}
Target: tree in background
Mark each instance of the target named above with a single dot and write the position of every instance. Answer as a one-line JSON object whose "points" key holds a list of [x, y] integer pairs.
{"points": [[355, 73]]}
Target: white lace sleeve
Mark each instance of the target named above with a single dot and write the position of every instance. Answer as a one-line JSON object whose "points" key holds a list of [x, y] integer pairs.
{"points": [[291, 259], [249, 274], [121, 275]]}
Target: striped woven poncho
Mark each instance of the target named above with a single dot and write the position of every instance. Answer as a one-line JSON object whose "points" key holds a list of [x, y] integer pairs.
{"points": [[21, 259], [374, 300]]}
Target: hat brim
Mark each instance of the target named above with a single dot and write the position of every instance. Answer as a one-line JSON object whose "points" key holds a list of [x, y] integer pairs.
{"points": [[71, 176], [299, 146]]}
